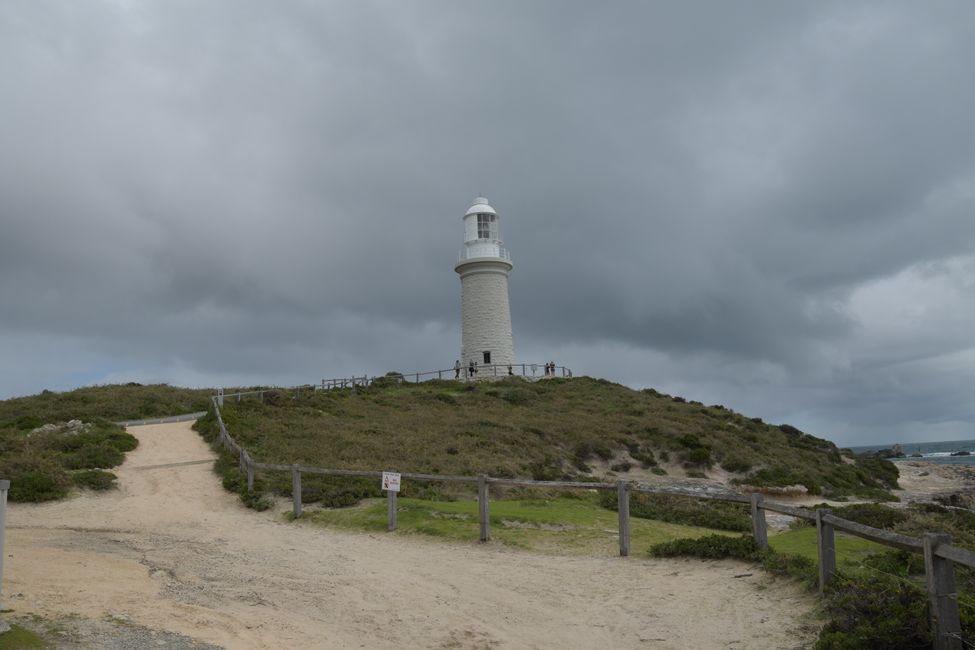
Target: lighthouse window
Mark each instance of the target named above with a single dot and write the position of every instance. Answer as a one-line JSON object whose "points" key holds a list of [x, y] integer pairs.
{"points": [[486, 226]]}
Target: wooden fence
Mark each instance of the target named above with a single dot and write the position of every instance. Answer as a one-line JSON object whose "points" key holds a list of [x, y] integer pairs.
{"points": [[531, 370], [939, 554]]}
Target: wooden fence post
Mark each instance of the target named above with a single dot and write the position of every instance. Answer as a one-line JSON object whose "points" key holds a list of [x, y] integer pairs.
{"points": [[942, 595], [250, 472], [296, 489], [483, 509], [826, 544], [623, 508], [4, 488], [759, 527], [391, 510]]}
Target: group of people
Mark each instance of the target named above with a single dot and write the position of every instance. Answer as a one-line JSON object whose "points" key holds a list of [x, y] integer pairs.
{"points": [[472, 369]]}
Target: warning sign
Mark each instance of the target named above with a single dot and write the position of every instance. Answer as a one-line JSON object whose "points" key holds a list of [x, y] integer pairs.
{"points": [[391, 481]]}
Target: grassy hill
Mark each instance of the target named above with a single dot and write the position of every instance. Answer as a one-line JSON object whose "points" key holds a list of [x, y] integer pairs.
{"points": [[110, 402], [557, 428], [552, 429], [52, 441]]}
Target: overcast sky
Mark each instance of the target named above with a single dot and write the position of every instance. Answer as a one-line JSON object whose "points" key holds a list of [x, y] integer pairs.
{"points": [[768, 205]]}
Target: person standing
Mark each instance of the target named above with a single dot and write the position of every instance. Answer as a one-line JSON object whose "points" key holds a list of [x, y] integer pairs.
{"points": [[457, 369]]}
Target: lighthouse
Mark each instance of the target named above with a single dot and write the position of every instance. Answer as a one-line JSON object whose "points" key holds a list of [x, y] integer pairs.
{"points": [[483, 266]]}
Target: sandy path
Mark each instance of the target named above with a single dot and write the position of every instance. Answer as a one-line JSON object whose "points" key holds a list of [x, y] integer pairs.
{"points": [[173, 551]]}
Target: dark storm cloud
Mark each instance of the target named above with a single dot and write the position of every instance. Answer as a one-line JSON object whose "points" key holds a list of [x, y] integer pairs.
{"points": [[762, 204]]}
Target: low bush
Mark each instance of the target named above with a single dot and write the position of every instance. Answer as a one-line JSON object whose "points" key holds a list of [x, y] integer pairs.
{"points": [[874, 612], [94, 479], [872, 514], [736, 465], [708, 513], [93, 456], [34, 479], [710, 547]]}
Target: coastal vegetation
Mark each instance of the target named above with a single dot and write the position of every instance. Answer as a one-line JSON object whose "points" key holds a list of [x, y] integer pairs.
{"points": [[52, 442], [114, 402], [44, 462], [573, 429], [580, 429], [878, 599]]}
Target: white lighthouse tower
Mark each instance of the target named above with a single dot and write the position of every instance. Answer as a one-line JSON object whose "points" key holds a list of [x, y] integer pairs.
{"points": [[483, 267]]}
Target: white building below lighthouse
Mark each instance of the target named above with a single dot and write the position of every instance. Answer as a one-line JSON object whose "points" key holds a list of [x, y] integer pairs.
{"points": [[483, 267]]}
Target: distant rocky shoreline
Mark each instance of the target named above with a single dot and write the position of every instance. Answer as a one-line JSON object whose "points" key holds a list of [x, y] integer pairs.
{"points": [[927, 482]]}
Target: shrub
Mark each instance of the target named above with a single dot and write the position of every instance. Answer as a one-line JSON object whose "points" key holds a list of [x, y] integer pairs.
{"points": [[699, 456], [710, 547], [94, 479], [588, 448], [795, 566], [736, 465], [27, 422], [689, 440], [547, 469], [872, 514], [683, 510], [391, 378], [93, 456], [276, 397], [880, 470], [34, 479], [122, 440], [874, 612]]}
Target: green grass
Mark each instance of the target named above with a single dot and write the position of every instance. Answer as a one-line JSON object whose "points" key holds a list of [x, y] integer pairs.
{"points": [[20, 638], [850, 550], [557, 525]]}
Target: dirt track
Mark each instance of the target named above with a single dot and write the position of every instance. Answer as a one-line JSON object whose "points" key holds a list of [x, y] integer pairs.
{"points": [[171, 550]]}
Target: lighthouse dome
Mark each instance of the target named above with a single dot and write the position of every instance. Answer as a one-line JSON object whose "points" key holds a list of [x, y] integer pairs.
{"points": [[481, 206]]}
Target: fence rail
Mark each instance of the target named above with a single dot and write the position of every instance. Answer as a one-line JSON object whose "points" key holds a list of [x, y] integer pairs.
{"points": [[939, 555], [532, 370], [528, 370], [173, 418]]}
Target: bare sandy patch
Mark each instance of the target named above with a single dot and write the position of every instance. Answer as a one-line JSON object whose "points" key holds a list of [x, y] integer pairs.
{"points": [[171, 550]]}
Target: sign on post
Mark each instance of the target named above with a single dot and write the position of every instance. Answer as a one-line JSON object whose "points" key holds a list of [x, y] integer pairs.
{"points": [[391, 481]]}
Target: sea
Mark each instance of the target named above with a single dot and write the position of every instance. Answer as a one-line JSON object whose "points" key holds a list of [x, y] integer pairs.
{"points": [[933, 452]]}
